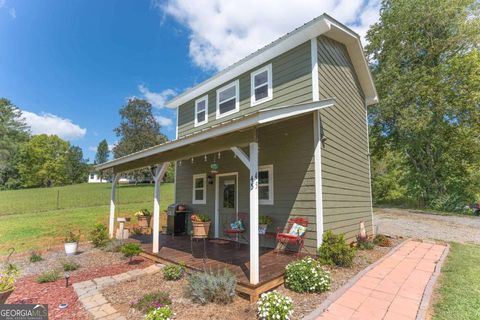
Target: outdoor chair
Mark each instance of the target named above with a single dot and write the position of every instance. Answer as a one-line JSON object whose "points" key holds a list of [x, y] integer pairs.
{"points": [[295, 235], [237, 228]]}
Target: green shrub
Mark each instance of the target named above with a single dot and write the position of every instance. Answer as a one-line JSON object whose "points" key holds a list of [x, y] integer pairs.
{"points": [[205, 287], [35, 256], [273, 306], [162, 313], [151, 301], [70, 266], [382, 240], [335, 251], [49, 276], [173, 271], [72, 237], [363, 243], [307, 275], [99, 235], [131, 250], [114, 245]]}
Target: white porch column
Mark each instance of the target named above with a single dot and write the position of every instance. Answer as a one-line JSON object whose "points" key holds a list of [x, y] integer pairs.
{"points": [[159, 173], [254, 238], [111, 221]]}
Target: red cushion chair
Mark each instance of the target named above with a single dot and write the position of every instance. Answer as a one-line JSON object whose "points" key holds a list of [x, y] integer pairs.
{"points": [[286, 238]]}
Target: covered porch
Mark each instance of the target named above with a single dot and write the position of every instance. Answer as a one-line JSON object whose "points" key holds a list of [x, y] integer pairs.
{"points": [[253, 264]]}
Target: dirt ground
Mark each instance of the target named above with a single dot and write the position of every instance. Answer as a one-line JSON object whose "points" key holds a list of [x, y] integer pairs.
{"points": [[422, 225], [121, 295]]}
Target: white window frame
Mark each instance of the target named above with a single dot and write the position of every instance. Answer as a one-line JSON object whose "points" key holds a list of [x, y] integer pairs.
{"points": [[268, 168], [195, 177], [235, 83], [205, 98], [253, 101]]}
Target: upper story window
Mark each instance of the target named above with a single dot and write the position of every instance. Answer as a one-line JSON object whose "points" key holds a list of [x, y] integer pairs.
{"points": [[228, 99], [261, 85], [199, 189], [201, 111], [265, 184]]}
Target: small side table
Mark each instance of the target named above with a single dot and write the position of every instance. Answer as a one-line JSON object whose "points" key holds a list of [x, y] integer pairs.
{"points": [[122, 232], [192, 237]]}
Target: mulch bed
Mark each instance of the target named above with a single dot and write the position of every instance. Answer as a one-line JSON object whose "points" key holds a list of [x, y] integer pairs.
{"points": [[120, 296], [94, 263]]}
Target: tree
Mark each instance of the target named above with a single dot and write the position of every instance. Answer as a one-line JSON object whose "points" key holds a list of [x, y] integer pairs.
{"points": [[138, 130], [13, 132], [425, 60], [76, 168], [103, 153]]}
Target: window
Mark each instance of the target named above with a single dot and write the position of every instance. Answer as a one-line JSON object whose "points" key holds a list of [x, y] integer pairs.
{"points": [[265, 184], [199, 189], [261, 85], [201, 111], [227, 99]]}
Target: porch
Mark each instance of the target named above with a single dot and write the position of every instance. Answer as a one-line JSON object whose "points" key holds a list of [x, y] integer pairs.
{"points": [[220, 254]]}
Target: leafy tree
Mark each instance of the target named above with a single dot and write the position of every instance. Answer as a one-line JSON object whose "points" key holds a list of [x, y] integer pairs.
{"points": [[76, 168], [13, 132], [426, 63], [103, 153], [138, 130]]}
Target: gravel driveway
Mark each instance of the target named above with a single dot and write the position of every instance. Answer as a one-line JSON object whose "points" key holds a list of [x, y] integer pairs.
{"points": [[410, 223]]}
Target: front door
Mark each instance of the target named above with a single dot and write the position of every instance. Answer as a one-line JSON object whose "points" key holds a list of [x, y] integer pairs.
{"points": [[227, 201]]}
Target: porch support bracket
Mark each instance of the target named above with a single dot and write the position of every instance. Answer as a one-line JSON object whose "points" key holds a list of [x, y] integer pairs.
{"points": [[111, 220], [158, 175], [241, 155]]}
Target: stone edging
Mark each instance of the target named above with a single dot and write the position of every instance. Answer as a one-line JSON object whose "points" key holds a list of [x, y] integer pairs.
{"points": [[340, 291], [94, 302], [427, 294]]}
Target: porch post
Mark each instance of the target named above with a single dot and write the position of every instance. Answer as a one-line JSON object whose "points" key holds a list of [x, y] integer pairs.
{"points": [[111, 221], [159, 173], [254, 238]]}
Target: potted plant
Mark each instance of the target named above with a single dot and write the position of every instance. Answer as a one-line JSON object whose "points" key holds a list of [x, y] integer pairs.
{"points": [[263, 223], [8, 276], [201, 225], [143, 217], [71, 243]]}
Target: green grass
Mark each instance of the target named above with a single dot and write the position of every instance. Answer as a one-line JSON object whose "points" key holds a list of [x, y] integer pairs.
{"points": [[25, 226], [74, 196], [458, 293]]}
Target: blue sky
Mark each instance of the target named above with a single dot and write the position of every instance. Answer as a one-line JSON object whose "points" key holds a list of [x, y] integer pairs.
{"points": [[70, 65]]}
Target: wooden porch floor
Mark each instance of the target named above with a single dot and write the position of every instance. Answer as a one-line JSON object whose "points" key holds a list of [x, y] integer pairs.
{"points": [[220, 254]]}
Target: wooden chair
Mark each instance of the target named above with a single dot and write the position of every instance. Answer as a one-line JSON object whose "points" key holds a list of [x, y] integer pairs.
{"points": [[286, 238], [235, 234]]}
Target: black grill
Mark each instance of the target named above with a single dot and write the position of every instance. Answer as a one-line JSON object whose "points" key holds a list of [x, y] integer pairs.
{"points": [[177, 219]]}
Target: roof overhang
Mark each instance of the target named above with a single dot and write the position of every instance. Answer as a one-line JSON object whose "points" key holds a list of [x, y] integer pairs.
{"points": [[235, 132], [322, 25]]}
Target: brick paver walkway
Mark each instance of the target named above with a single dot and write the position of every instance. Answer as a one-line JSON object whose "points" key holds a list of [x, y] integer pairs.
{"points": [[391, 290]]}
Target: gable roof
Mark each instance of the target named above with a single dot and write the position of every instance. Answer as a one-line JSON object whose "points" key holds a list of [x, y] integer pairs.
{"points": [[322, 25]]}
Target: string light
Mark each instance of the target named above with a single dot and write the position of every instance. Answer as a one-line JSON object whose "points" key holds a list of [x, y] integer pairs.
{"points": [[192, 160], [205, 157], [219, 155], [180, 163]]}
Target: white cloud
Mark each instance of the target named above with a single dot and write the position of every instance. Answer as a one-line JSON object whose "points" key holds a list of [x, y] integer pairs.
{"points": [[164, 121], [52, 124], [13, 13], [2, 3], [224, 31], [156, 99]]}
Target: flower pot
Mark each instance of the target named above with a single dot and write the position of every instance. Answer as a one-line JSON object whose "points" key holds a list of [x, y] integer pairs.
{"points": [[200, 229], [71, 248], [262, 228], [4, 296], [144, 221]]}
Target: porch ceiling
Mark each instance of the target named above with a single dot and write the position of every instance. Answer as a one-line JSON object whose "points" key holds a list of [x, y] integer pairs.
{"points": [[233, 133]]}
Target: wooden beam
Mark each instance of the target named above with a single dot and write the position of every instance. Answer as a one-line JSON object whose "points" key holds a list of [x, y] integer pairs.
{"points": [[159, 174]]}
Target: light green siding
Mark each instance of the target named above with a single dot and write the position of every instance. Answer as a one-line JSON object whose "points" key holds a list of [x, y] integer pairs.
{"points": [[288, 145], [345, 165], [291, 83]]}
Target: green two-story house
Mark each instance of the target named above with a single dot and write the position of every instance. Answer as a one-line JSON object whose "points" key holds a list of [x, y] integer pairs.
{"points": [[282, 132]]}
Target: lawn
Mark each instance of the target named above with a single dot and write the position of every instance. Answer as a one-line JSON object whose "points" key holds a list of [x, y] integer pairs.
{"points": [[458, 293], [28, 218]]}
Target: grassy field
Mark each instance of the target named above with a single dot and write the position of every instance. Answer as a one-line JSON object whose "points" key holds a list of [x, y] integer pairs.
{"points": [[29, 218], [458, 293]]}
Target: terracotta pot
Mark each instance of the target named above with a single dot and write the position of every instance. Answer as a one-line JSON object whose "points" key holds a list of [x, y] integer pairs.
{"points": [[4, 296], [200, 229], [144, 221]]}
